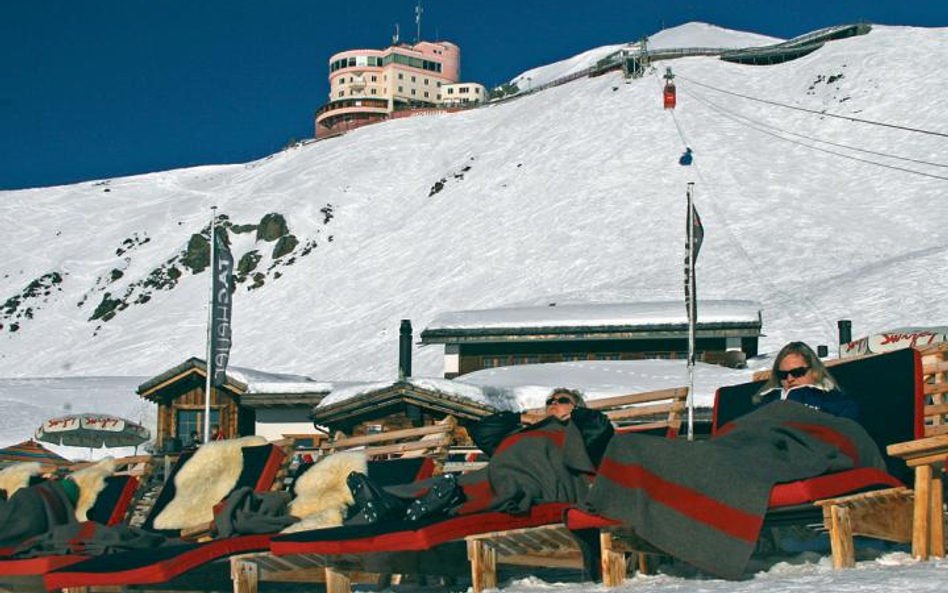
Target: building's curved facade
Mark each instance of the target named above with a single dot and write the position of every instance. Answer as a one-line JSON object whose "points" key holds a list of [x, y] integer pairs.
{"points": [[367, 85]]}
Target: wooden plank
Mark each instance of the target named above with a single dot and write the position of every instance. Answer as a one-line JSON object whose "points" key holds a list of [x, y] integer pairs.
{"points": [[549, 560], [382, 437], [921, 516], [936, 540], [483, 560], [612, 563], [931, 368], [337, 582], [244, 576], [640, 411], [841, 538], [443, 441], [934, 430], [936, 388], [644, 427], [936, 409], [934, 444]]}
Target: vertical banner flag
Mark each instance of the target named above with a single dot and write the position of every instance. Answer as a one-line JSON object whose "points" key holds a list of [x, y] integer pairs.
{"points": [[221, 305], [692, 248]]}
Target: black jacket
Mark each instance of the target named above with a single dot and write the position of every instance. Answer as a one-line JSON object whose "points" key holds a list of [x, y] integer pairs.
{"points": [[832, 401]]}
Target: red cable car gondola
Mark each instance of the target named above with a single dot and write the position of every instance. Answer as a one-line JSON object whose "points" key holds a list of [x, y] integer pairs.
{"points": [[668, 93]]}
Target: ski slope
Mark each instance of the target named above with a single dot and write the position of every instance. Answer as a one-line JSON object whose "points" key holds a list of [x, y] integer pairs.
{"points": [[570, 195]]}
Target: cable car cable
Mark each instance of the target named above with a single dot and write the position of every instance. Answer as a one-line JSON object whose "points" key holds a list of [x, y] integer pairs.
{"points": [[837, 144], [805, 145], [821, 113]]}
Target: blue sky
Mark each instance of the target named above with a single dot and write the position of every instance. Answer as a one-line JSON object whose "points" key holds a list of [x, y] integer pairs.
{"points": [[93, 89]]}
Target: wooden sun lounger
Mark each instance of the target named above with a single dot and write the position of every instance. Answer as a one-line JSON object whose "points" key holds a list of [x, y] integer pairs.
{"points": [[656, 412], [430, 443], [900, 514]]}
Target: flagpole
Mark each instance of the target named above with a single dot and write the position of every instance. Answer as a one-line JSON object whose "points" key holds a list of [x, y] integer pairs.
{"points": [[692, 307], [209, 365]]}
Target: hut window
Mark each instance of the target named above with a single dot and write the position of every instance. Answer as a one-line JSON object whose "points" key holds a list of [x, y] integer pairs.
{"points": [[193, 421]]}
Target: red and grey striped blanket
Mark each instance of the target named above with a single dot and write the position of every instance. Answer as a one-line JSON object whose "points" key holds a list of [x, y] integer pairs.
{"points": [[704, 502]]}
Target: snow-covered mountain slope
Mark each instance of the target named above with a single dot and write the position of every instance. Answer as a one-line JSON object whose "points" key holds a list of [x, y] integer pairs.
{"points": [[687, 35], [573, 194]]}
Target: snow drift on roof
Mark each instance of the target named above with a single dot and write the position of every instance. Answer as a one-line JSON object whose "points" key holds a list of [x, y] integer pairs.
{"points": [[597, 315]]}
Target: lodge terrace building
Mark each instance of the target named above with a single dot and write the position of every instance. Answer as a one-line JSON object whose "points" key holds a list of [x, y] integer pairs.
{"points": [[368, 86], [727, 333]]}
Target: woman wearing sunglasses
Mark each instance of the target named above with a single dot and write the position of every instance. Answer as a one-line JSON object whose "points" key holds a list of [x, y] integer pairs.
{"points": [[799, 375]]}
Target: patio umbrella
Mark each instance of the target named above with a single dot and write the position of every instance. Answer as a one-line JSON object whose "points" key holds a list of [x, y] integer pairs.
{"points": [[93, 431], [30, 451]]}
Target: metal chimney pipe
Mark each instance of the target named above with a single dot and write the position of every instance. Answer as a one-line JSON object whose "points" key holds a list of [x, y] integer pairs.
{"points": [[404, 349], [845, 331]]}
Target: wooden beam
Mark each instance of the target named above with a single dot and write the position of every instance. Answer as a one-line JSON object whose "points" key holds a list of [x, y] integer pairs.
{"points": [[337, 582], [483, 559], [841, 537], [613, 563], [244, 575], [921, 520]]}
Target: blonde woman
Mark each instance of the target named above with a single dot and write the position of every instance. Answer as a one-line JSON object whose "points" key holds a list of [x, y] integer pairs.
{"points": [[799, 375]]}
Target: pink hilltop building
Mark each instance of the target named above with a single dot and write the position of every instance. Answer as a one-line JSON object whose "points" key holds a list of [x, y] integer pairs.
{"points": [[369, 85]]}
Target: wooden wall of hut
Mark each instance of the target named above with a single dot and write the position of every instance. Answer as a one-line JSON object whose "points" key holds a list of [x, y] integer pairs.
{"points": [[231, 414]]}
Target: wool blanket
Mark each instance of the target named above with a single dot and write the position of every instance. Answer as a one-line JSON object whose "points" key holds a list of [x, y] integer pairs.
{"points": [[34, 510], [704, 502], [90, 539]]}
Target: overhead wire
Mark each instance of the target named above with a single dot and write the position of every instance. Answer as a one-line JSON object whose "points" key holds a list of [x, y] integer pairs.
{"points": [[708, 102], [755, 126], [816, 112]]}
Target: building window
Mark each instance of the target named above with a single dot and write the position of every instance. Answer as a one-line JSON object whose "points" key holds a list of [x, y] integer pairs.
{"points": [[412, 79], [371, 91], [439, 84], [464, 89], [426, 94], [400, 89], [401, 76], [193, 421], [494, 361], [374, 79], [573, 356], [412, 92], [341, 94], [450, 92], [608, 356], [439, 96], [426, 82]]}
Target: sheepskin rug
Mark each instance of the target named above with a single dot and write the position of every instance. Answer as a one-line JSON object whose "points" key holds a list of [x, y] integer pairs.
{"points": [[322, 495], [91, 481], [17, 476], [205, 480]]}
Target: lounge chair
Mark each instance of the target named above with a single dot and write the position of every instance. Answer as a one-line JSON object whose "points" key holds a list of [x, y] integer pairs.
{"points": [[889, 391], [261, 467]]}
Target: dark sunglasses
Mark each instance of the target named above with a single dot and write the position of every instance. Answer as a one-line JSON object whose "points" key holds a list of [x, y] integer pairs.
{"points": [[558, 400], [796, 373]]}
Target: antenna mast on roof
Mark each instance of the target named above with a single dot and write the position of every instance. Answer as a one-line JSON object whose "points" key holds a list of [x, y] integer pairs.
{"points": [[418, 11], [395, 36]]}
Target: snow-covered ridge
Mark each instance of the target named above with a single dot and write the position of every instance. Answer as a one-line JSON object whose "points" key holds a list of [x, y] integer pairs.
{"points": [[693, 34]]}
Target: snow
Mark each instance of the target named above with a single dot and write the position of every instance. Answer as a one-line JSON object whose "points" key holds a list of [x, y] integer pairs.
{"points": [[26, 403], [895, 571], [452, 389], [264, 382], [529, 385], [686, 35], [606, 314], [574, 195]]}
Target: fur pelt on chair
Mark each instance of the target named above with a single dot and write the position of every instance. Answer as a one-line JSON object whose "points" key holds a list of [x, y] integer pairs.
{"points": [[205, 480], [91, 481], [17, 476], [322, 494]]}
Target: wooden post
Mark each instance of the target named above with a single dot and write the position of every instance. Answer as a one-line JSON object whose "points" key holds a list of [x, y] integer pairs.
{"points": [[937, 514], [612, 562], [337, 582], [483, 558], [841, 538], [921, 527], [244, 575]]}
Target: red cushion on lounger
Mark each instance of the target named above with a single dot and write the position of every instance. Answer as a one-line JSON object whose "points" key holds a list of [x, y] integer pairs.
{"points": [[839, 484], [125, 499], [107, 570], [577, 519], [422, 538], [270, 469], [37, 566]]}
